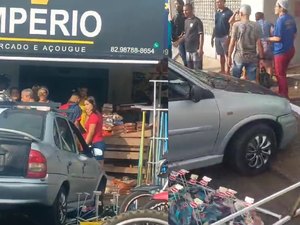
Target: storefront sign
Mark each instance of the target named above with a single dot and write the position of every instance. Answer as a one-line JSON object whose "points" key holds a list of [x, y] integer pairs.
{"points": [[87, 30]]}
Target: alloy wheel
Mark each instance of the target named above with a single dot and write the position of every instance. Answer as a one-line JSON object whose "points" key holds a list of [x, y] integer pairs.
{"points": [[259, 151]]}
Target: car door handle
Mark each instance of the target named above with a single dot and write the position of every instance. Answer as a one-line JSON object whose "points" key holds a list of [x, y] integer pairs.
{"points": [[69, 163], [83, 167]]}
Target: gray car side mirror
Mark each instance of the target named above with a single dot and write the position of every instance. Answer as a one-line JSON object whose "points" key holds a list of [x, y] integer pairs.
{"points": [[97, 152], [198, 93]]}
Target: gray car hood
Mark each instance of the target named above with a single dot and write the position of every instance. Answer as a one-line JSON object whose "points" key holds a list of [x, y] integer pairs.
{"points": [[232, 84]]}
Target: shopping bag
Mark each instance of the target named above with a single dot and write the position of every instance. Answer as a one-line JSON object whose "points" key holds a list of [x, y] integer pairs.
{"points": [[265, 79]]}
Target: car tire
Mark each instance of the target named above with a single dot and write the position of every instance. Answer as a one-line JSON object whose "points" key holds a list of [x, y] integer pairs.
{"points": [[57, 213], [253, 149]]}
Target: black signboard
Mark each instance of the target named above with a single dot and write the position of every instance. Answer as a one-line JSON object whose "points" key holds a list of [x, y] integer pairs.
{"points": [[83, 30]]}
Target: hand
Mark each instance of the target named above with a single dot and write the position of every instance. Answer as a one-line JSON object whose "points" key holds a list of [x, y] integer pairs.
{"points": [[229, 62], [200, 52], [212, 42], [261, 63]]}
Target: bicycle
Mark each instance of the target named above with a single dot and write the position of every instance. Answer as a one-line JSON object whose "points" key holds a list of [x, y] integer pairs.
{"points": [[139, 217]]}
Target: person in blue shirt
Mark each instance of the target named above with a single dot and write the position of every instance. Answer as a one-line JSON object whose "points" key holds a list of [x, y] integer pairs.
{"points": [[283, 38], [220, 35]]}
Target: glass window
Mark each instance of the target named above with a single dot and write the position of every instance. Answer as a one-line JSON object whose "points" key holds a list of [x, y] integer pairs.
{"points": [[66, 136], [179, 87], [15, 120], [81, 145], [56, 136]]}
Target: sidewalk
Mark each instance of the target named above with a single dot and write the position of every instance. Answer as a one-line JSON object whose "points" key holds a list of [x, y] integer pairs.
{"points": [[293, 75]]}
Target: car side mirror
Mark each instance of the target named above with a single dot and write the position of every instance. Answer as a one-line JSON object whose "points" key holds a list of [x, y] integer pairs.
{"points": [[198, 93], [97, 152]]}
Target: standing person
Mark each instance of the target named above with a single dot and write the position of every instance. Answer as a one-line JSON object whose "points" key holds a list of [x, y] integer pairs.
{"points": [[221, 34], [193, 38], [27, 95], [4, 84], [245, 38], [267, 31], [83, 92], [178, 28], [72, 105], [43, 94], [93, 126], [35, 89], [14, 94], [283, 38], [170, 38]]}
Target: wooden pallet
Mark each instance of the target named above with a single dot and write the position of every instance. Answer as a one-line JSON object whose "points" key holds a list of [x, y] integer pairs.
{"points": [[122, 152]]}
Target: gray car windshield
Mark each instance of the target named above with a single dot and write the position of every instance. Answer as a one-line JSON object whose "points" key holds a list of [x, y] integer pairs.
{"points": [[205, 77], [31, 123]]}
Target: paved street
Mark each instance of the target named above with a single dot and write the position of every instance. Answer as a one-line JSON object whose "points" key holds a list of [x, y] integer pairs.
{"points": [[284, 172]]}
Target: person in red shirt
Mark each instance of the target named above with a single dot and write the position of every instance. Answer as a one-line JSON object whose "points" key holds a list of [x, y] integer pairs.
{"points": [[93, 126]]}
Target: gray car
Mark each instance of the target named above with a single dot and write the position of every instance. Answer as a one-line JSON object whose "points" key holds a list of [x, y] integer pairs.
{"points": [[45, 163], [215, 118]]}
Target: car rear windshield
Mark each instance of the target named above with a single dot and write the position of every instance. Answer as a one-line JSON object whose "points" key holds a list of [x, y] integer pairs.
{"points": [[20, 120]]}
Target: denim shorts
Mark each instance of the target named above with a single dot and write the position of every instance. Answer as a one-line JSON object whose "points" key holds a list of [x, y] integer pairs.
{"points": [[249, 67], [101, 145]]}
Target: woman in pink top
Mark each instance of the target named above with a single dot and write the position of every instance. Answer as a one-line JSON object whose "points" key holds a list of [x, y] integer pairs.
{"points": [[93, 127]]}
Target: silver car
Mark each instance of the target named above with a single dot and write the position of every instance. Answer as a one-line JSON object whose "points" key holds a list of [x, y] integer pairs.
{"points": [[215, 118], [44, 162]]}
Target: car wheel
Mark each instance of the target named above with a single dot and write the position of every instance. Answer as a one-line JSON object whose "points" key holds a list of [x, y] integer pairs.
{"points": [[253, 149], [58, 212]]}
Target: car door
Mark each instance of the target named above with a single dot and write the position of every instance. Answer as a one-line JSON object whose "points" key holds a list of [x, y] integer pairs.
{"points": [[69, 157], [90, 169], [193, 126]]}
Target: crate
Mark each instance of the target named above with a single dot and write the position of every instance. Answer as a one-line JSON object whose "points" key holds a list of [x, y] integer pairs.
{"points": [[122, 152]]}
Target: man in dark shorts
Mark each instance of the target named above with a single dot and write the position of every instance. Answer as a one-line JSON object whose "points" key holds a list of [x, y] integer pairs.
{"points": [[193, 38], [221, 33]]}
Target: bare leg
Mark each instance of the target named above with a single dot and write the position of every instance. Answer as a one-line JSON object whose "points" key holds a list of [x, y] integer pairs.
{"points": [[222, 62]]}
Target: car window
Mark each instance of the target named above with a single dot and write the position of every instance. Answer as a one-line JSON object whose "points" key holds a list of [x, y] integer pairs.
{"points": [[66, 136], [15, 120], [81, 145], [56, 136], [179, 87]]}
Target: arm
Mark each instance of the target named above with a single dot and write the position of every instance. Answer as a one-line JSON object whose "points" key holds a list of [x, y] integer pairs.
{"points": [[201, 37], [232, 19], [90, 134], [274, 39], [201, 40], [278, 32], [230, 50], [213, 37], [260, 49]]}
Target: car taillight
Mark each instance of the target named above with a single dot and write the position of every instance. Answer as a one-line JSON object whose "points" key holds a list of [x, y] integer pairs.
{"points": [[37, 165]]}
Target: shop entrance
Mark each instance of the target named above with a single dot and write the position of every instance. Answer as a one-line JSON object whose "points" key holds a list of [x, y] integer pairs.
{"points": [[61, 81]]}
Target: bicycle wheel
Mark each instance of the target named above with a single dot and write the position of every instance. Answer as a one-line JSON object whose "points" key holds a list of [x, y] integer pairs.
{"points": [[140, 217], [135, 200], [158, 205]]}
